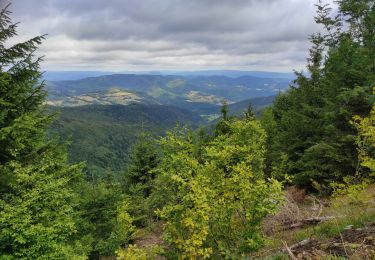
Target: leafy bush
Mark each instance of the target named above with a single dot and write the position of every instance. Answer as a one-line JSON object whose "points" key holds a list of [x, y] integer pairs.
{"points": [[219, 201], [366, 140], [133, 252]]}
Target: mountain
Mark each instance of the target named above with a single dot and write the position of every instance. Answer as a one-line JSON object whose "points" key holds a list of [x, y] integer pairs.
{"points": [[102, 135], [72, 75], [258, 104], [75, 75], [232, 73], [188, 92]]}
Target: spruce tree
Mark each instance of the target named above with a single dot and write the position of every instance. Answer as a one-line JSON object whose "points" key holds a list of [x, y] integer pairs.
{"points": [[37, 201], [144, 159], [313, 130], [102, 205], [222, 127], [139, 177], [249, 113]]}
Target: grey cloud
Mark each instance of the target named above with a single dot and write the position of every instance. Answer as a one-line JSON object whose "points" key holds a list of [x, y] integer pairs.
{"points": [[209, 33]]}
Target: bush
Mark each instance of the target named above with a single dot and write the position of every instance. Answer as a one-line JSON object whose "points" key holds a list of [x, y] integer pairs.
{"points": [[220, 200], [133, 252]]}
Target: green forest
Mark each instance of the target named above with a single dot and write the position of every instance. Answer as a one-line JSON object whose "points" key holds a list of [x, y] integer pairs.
{"points": [[240, 188]]}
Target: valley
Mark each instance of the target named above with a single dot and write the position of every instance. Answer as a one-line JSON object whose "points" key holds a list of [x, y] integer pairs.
{"points": [[103, 116]]}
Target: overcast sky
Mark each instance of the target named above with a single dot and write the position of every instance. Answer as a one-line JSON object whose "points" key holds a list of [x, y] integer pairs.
{"points": [[116, 35]]}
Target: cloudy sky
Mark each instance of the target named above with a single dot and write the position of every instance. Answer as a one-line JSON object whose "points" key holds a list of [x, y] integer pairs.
{"points": [[119, 35]]}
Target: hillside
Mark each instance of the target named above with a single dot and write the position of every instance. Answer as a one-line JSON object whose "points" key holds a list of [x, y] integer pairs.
{"points": [[102, 135], [203, 106], [111, 96], [238, 108], [183, 91]]}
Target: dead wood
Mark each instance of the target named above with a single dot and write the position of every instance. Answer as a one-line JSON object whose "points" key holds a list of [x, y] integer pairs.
{"points": [[307, 222]]}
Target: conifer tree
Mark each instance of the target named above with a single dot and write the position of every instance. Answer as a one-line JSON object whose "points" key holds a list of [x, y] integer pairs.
{"points": [[222, 126], [314, 140], [37, 201], [249, 113], [139, 177], [105, 217], [313, 130], [144, 159]]}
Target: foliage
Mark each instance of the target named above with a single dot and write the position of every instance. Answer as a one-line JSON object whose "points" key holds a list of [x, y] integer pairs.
{"points": [[219, 202], [313, 130], [38, 216], [132, 252], [249, 112], [268, 123], [222, 126], [139, 177], [366, 140], [106, 217], [124, 227], [144, 159], [103, 135], [354, 187]]}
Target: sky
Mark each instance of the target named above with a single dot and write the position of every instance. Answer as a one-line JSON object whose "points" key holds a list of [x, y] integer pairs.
{"points": [[119, 35]]}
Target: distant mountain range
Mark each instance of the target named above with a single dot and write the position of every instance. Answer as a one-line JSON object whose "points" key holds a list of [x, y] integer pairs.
{"points": [[75, 75], [200, 94], [234, 74]]}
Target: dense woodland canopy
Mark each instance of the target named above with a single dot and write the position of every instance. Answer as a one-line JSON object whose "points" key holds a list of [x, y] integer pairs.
{"points": [[209, 190]]}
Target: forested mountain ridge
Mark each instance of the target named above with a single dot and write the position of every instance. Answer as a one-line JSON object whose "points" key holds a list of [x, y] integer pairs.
{"points": [[102, 135]]}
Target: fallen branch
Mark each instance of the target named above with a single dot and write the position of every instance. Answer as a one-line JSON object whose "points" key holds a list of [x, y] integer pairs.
{"points": [[308, 221], [301, 243], [289, 251], [316, 220]]}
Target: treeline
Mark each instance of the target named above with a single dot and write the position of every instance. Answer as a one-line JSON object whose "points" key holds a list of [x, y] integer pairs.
{"points": [[209, 190]]}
